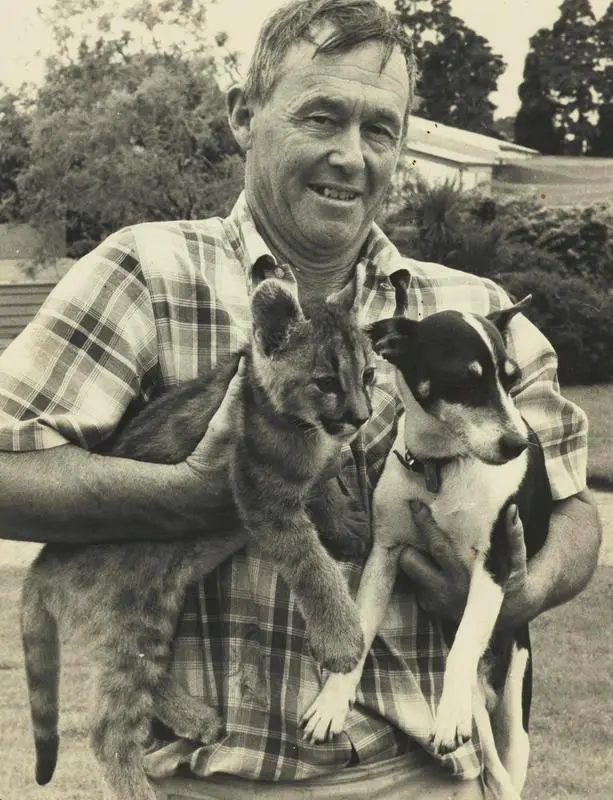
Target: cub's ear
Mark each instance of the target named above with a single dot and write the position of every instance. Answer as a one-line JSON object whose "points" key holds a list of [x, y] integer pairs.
{"points": [[275, 310], [502, 318], [393, 338], [348, 298]]}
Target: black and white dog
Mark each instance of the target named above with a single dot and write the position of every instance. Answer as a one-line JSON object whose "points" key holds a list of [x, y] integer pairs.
{"points": [[463, 449]]}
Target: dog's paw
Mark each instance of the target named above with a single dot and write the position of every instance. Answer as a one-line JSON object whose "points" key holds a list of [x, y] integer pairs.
{"points": [[454, 720], [338, 645], [326, 716]]}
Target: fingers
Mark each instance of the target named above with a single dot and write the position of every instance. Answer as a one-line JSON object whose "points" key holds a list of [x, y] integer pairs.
{"points": [[439, 543], [515, 533], [420, 568], [224, 418]]}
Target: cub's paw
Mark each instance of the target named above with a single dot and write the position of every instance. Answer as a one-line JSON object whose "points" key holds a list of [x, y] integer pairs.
{"points": [[210, 727], [338, 645], [200, 724], [325, 717]]}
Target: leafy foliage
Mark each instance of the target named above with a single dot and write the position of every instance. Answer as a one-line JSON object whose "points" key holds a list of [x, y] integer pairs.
{"points": [[458, 70], [563, 256], [566, 94], [129, 124], [14, 154]]}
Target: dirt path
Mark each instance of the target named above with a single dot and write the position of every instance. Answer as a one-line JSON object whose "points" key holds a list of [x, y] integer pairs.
{"points": [[21, 553]]}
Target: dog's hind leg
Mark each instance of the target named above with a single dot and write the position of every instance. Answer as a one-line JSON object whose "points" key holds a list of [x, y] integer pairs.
{"points": [[497, 779], [509, 717]]}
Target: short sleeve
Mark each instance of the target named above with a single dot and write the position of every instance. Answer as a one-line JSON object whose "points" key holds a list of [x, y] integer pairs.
{"points": [[87, 354]]}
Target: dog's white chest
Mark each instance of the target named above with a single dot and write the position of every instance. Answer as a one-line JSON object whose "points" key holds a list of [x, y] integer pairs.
{"points": [[469, 500]]}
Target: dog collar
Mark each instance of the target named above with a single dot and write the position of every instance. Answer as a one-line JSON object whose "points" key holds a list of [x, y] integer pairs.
{"points": [[430, 469]]}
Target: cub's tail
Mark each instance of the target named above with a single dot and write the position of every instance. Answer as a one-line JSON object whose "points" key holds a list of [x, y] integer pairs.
{"points": [[41, 649]]}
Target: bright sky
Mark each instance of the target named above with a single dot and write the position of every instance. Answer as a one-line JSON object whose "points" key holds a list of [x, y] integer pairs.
{"points": [[507, 24]]}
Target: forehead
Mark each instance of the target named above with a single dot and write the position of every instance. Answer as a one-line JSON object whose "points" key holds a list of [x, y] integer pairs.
{"points": [[355, 75]]}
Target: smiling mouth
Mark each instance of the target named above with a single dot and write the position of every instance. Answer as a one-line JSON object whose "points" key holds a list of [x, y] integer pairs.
{"points": [[334, 194]]}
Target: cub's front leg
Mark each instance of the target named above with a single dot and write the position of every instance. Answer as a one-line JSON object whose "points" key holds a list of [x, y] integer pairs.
{"points": [[277, 521]]}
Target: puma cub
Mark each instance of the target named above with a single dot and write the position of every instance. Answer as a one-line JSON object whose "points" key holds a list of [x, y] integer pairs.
{"points": [[306, 392]]}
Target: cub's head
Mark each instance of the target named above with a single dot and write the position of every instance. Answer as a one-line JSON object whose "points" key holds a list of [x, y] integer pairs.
{"points": [[456, 367], [319, 371]]}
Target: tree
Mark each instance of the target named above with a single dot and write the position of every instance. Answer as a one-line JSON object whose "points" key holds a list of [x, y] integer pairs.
{"points": [[535, 123], [559, 93], [602, 145], [457, 69], [14, 153], [122, 135]]}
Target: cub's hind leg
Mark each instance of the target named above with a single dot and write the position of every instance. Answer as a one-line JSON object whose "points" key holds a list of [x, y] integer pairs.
{"points": [[189, 717], [121, 721]]}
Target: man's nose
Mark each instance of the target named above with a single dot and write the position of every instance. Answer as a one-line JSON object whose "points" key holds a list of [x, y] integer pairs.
{"points": [[347, 152]]}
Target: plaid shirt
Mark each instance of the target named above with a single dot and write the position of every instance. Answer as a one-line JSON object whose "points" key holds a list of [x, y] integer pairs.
{"points": [[158, 303]]}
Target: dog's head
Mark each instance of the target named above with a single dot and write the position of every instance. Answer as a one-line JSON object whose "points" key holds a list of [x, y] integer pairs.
{"points": [[456, 367]]}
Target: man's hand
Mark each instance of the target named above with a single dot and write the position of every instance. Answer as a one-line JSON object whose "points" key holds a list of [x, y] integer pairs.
{"points": [[442, 578], [210, 460]]}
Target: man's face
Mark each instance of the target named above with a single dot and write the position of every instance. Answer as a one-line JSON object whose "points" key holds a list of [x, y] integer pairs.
{"points": [[323, 148]]}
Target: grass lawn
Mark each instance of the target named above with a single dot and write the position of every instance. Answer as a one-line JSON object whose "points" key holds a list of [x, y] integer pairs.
{"points": [[572, 723], [597, 401]]}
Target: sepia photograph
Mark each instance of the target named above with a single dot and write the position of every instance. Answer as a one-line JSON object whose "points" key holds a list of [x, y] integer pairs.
{"points": [[306, 390]]}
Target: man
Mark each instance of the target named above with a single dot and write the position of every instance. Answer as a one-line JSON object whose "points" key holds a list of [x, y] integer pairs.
{"points": [[321, 120]]}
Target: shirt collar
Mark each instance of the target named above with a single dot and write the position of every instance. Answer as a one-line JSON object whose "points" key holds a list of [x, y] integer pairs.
{"points": [[378, 251]]}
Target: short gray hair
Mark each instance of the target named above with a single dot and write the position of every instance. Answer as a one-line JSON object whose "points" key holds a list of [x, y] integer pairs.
{"points": [[353, 22]]}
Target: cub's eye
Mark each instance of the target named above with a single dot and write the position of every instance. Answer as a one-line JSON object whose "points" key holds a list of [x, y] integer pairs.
{"points": [[328, 383], [368, 377]]}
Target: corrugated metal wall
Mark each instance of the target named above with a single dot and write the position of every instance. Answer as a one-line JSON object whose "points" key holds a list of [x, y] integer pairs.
{"points": [[19, 302]]}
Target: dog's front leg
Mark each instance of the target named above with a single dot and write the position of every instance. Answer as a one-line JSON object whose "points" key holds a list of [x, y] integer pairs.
{"points": [[326, 716], [454, 717]]}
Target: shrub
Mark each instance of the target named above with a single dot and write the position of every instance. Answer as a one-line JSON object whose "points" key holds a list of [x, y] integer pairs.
{"points": [[562, 256], [575, 317]]}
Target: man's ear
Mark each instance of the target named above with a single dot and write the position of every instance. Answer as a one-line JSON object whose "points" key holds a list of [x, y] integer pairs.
{"points": [[239, 117], [275, 311]]}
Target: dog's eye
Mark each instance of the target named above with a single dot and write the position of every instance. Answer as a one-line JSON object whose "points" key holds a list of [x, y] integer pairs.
{"points": [[328, 384], [368, 377]]}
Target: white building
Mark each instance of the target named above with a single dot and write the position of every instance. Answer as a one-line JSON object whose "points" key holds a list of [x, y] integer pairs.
{"points": [[438, 153]]}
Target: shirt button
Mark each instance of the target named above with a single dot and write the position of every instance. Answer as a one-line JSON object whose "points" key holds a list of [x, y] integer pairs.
{"points": [[279, 272]]}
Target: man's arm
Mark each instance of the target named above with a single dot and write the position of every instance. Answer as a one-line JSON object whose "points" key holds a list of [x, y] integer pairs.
{"points": [[561, 569], [68, 495]]}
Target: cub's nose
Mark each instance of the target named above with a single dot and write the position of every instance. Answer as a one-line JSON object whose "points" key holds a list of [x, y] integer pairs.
{"points": [[355, 419], [512, 445]]}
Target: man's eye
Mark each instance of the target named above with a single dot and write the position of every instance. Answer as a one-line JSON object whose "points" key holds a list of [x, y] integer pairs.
{"points": [[381, 132], [321, 119], [327, 384]]}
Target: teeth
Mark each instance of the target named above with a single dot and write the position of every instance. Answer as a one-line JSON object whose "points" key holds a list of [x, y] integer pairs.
{"points": [[336, 195]]}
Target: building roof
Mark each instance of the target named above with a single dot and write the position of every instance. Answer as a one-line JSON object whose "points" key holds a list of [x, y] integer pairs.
{"points": [[435, 140]]}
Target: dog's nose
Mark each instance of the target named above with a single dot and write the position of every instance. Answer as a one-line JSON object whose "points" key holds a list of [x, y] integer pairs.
{"points": [[512, 445]]}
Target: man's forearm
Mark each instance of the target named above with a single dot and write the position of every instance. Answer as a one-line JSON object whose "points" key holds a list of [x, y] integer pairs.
{"points": [[569, 557], [69, 495]]}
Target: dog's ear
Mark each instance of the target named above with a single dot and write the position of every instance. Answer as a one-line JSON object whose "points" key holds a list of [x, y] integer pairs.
{"points": [[391, 337], [502, 318], [348, 298], [275, 311]]}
